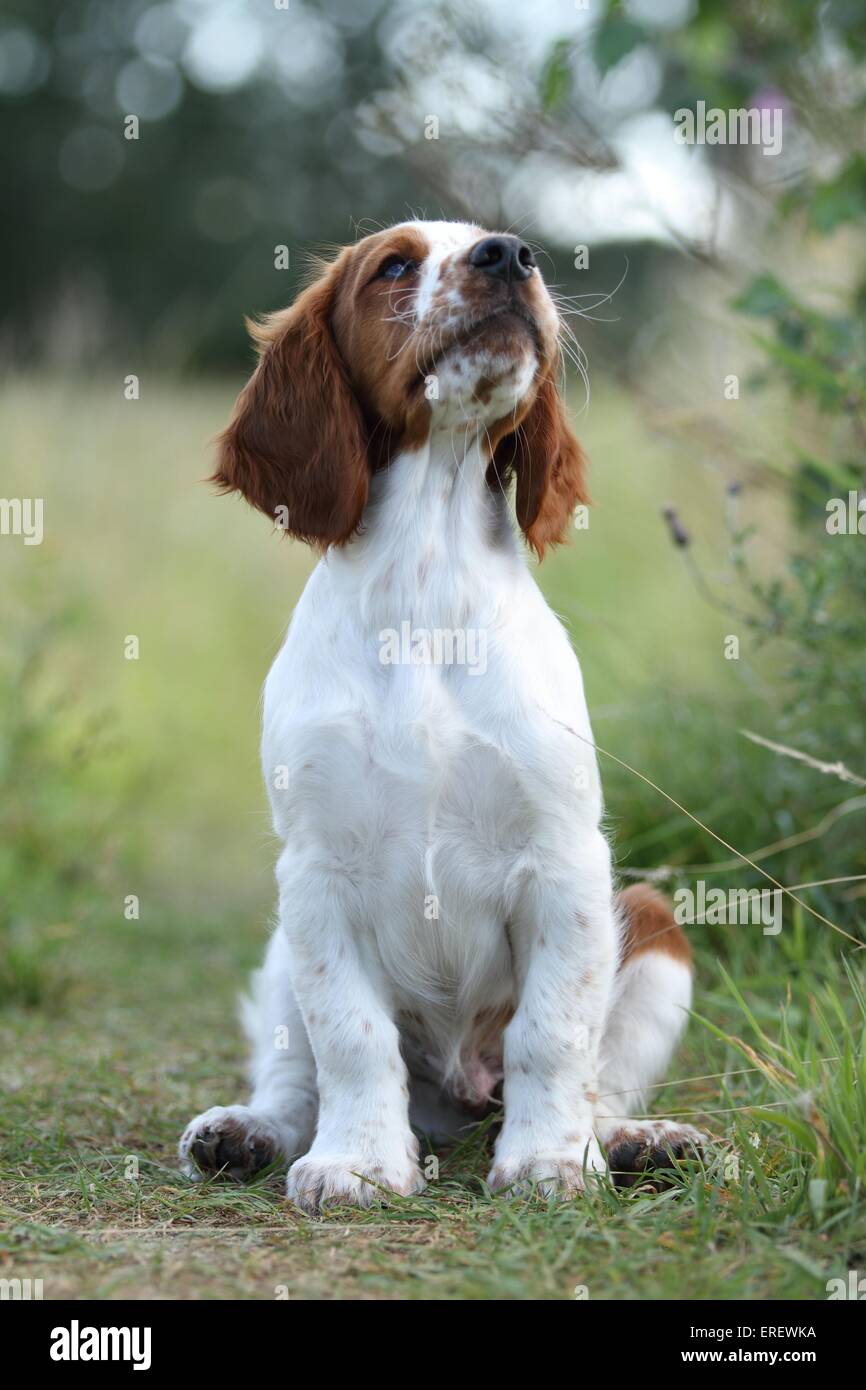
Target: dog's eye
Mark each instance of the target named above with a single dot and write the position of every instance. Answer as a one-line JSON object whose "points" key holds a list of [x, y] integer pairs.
{"points": [[395, 267]]}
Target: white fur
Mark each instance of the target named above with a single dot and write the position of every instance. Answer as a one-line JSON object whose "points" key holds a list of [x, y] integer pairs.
{"points": [[400, 789], [649, 1010]]}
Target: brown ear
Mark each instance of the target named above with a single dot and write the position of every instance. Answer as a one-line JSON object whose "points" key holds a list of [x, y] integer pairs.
{"points": [[297, 444], [550, 468]]}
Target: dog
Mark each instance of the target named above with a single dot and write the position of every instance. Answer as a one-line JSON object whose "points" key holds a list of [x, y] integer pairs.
{"points": [[450, 937]]}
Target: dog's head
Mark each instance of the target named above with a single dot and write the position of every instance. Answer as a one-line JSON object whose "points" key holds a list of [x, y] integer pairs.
{"points": [[425, 326]]}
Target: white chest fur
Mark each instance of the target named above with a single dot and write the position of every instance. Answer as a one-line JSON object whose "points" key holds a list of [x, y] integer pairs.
{"points": [[426, 735]]}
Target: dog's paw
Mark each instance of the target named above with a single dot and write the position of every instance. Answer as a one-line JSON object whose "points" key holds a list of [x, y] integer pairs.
{"points": [[318, 1181], [229, 1141], [638, 1149], [563, 1172]]}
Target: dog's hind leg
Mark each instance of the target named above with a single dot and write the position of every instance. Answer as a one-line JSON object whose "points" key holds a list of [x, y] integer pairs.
{"points": [[652, 996], [278, 1123]]}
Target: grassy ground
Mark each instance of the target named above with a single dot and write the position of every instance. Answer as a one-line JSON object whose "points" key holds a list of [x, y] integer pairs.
{"points": [[139, 778]]}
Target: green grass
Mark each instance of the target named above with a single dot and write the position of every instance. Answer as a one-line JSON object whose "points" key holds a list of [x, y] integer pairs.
{"points": [[94, 1206], [123, 778]]}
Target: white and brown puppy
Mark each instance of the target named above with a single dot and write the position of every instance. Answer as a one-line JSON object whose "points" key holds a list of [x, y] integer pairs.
{"points": [[447, 917]]}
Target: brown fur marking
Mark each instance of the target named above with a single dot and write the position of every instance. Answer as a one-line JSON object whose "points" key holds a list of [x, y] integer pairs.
{"points": [[650, 925]]}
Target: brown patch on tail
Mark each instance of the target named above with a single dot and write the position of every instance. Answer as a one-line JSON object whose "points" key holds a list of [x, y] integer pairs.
{"points": [[650, 924]]}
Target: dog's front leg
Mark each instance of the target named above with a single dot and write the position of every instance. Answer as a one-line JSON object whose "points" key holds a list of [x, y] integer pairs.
{"points": [[364, 1146], [564, 942]]}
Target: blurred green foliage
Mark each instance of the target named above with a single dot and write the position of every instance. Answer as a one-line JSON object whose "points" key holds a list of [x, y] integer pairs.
{"points": [[172, 251], [57, 848], [159, 246], [724, 51]]}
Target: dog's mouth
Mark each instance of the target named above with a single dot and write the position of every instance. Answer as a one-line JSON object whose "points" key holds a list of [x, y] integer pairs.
{"points": [[506, 322]]}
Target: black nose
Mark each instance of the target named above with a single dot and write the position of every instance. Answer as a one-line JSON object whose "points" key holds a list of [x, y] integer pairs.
{"points": [[505, 257]]}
